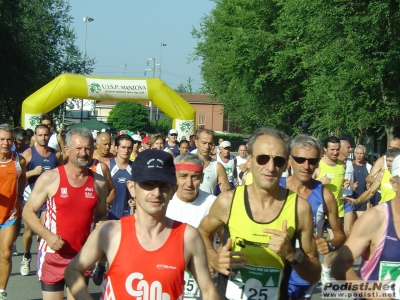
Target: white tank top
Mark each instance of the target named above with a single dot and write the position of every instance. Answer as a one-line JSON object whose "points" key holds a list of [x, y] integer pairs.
{"points": [[53, 143], [229, 166], [210, 179]]}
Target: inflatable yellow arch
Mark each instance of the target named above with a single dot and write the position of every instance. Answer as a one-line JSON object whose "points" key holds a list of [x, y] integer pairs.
{"points": [[115, 89]]}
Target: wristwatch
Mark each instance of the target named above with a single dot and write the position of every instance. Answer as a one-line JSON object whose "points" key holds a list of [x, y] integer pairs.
{"points": [[297, 258], [331, 247]]}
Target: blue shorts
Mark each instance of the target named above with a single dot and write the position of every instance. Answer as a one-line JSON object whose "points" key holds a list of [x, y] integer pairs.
{"points": [[348, 207], [8, 223], [300, 291], [218, 190]]}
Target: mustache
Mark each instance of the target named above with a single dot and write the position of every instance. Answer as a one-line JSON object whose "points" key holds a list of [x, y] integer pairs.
{"points": [[83, 156]]}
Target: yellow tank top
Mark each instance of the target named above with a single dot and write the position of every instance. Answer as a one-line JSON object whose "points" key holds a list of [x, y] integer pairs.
{"points": [[336, 174], [249, 178], [263, 271], [387, 192]]}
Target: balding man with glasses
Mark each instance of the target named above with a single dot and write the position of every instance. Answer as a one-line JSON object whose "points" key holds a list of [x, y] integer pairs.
{"points": [[261, 222], [305, 152]]}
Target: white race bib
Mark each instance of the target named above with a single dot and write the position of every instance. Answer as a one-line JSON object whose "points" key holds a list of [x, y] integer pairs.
{"points": [[191, 289]]}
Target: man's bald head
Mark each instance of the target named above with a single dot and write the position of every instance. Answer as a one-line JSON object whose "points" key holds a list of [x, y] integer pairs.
{"points": [[394, 143], [103, 143]]}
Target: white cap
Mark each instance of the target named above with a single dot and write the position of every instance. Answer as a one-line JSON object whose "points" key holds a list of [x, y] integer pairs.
{"points": [[171, 131], [396, 166], [225, 144], [103, 130], [137, 137]]}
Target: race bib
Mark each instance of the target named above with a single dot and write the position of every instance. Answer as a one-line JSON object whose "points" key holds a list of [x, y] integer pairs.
{"points": [[254, 283], [191, 289]]}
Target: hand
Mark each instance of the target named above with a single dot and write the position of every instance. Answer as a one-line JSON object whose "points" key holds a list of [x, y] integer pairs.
{"points": [[346, 183], [279, 242], [325, 179], [350, 200], [322, 245], [368, 185], [236, 182], [55, 242], [355, 185], [226, 259], [98, 224], [132, 204], [38, 170]]}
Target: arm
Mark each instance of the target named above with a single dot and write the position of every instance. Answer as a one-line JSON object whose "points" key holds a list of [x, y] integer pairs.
{"points": [[235, 174], [100, 214], [93, 250], [331, 210], [60, 159], [110, 184], [61, 142], [197, 264], [222, 259], [45, 187], [378, 166], [21, 182], [357, 243], [368, 194], [222, 178], [27, 154], [309, 268]]}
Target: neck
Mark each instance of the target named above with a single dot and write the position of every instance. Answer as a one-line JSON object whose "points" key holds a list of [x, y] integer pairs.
{"points": [[265, 195], [359, 163], [151, 224], [328, 160], [121, 161], [342, 157], [295, 185], [74, 170], [5, 156]]}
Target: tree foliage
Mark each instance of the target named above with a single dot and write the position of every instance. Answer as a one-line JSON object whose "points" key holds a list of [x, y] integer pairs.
{"points": [[323, 66], [132, 116], [37, 44]]}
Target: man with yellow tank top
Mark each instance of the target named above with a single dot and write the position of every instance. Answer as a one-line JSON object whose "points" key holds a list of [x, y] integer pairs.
{"points": [[261, 222], [331, 173]]}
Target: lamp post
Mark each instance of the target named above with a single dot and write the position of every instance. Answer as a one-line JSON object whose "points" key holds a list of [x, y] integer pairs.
{"points": [[86, 20], [162, 45]]}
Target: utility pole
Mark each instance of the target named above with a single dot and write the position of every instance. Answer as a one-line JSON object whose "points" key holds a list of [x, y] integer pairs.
{"points": [[153, 70]]}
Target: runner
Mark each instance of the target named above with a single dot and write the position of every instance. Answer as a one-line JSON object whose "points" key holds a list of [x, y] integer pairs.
{"points": [[228, 161], [261, 220], [183, 147], [103, 148], [157, 248], [75, 198], [39, 159], [241, 161], [172, 142], [189, 204], [304, 158], [12, 174], [137, 143]]}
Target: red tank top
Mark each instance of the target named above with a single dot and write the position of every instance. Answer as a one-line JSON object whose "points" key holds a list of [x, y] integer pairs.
{"points": [[139, 274], [69, 213]]}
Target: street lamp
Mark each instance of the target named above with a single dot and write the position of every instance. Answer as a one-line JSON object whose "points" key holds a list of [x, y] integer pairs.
{"points": [[86, 20], [162, 45]]}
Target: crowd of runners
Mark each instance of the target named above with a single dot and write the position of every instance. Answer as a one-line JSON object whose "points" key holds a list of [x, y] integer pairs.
{"points": [[158, 218]]}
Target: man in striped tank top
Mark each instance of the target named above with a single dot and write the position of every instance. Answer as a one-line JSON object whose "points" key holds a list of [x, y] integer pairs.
{"points": [[12, 184], [375, 239], [147, 251]]}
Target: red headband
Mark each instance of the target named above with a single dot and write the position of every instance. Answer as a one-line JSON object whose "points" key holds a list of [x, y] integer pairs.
{"points": [[189, 167]]}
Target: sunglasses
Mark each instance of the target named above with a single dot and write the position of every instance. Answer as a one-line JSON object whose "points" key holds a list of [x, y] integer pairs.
{"points": [[263, 159], [302, 160], [173, 134]]}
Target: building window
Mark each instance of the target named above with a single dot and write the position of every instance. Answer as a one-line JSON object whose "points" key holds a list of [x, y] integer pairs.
{"points": [[201, 120]]}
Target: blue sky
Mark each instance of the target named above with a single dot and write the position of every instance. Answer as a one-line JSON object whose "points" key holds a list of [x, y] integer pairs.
{"points": [[125, 33]]}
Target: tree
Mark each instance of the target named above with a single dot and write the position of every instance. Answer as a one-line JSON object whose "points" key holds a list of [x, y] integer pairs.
{"points": [[129, 115], [37, 44]]}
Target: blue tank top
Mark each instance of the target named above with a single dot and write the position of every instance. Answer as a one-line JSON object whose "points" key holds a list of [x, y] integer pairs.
{"points": [[360, 174], [316, 201], [47, 163], [384, 263], [120, 206], [174, 149]]}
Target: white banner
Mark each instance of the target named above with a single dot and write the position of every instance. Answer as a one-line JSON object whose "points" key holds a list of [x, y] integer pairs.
{"points": [[117, 89], [184, 128], [32, 120]]}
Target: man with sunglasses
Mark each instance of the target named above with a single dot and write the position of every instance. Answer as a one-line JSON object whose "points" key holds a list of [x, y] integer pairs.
{"points": [[304, 158], [137, 143], [331, 173], [225, 158], [261, 221], [172, 142]]}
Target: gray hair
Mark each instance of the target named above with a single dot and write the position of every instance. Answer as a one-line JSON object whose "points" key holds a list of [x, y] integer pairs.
{"points": [[7, 128], [207, 131], [392, 152], [82, 132], [19, 133], [189, 157], [305, 140], [280, 135], [361, 147]]}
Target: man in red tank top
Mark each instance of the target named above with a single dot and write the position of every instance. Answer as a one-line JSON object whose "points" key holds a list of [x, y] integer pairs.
{"points": [[75, 198], [147, 251]]}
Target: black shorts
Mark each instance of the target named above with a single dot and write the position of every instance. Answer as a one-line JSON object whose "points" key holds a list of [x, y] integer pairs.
{"points": [[58, 286], [328, 226]]}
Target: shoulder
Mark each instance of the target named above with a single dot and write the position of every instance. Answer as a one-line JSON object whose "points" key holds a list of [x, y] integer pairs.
{"points": [[303, 206], [21, 159], [27, 153]]}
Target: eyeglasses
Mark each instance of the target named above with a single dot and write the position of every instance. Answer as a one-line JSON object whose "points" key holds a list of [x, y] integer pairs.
{"points": [[263, 159], [136, 142], [173, 134], [302, 160]]}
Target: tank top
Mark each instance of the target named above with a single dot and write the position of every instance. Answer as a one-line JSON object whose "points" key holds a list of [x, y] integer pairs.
{"points": [[360, 174], [336, 174], [95, 166], [9, 173], [316, 200], [53, 143], [120, 206], [210, 178], [384, 263], [264, 269], [69, 213], [387, 192], [155, 275], [48, 163], [229, 166]]}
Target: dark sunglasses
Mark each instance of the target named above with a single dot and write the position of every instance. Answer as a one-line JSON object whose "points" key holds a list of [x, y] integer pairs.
{"points": [[302, 160], [173, 134], [263, 159], [136, 142]]}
